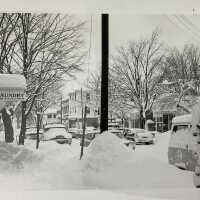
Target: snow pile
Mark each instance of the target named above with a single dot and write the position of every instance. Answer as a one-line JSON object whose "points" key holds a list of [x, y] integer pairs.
{"points": [[59, 168], [105, 151], [105, 154], [13, 157], [108, 164]]}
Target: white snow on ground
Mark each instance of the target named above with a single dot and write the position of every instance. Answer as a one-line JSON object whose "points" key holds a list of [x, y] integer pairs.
{"points": [[107, 164]]}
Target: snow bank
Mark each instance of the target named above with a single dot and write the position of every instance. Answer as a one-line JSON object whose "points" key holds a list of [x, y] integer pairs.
{"points": [[13, 157], [105, 151], [105, 154], [108, 164]]}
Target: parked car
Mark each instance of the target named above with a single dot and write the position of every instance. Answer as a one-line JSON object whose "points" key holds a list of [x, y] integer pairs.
{"points": [[58, 133], [75, 132], [143, 136], [128, 141], [129, 134], [117, 131], [90, 134], [31, 133]]}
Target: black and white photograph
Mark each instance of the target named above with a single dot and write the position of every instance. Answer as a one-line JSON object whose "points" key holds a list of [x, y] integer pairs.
{"points": [[100, 104]]}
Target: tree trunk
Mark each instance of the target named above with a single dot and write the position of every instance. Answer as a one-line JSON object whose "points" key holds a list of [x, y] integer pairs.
{"points": [[23, 124], [8, 128], [142, 120]]}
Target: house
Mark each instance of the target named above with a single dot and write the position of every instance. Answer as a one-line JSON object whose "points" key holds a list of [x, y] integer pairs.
{"points": [[51, 116], [77, 100]]}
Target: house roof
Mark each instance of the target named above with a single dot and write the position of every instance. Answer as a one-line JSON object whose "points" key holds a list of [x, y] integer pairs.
{"points": [[12, 81]]}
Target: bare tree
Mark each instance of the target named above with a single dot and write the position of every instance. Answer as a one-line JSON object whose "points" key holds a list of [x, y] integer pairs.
{"points": [[8, 23], [48, 46], [182, 73], [136, 70]]}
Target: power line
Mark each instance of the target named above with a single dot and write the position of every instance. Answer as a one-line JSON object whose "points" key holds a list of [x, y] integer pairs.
{"points": [[188, 21], [176, 21], [188, 28]]}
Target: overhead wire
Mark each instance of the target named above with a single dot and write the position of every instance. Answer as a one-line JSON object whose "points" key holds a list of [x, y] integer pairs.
{"points": [[188, 28], [182, 25]]}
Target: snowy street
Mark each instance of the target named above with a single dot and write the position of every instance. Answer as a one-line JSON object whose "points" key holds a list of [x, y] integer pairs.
{"points": [[107, 168]]}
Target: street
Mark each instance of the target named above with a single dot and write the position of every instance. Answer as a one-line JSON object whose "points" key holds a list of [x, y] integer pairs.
{"points": [[144, 172]]}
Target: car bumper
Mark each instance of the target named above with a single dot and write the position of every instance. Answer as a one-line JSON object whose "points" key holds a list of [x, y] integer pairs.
{"points": [[142, 141], [63, 140]]}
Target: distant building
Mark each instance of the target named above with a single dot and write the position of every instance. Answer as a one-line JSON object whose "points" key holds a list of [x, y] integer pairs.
{"points": [[163, 112], [65, 110], [51, 116], [76, 103]]}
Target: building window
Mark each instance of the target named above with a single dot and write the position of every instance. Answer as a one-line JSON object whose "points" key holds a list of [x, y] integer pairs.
{"points": [[54, 115], [87, 96], [49, 116], [88, 110]]}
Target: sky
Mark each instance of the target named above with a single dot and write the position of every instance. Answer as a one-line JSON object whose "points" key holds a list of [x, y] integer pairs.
{"points": [[129, 20], [175, 30]]}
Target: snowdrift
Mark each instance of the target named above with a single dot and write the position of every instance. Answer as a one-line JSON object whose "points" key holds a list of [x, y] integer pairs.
{"points": [[108, 164], [13, 157], [105, 151], [105, 154]]}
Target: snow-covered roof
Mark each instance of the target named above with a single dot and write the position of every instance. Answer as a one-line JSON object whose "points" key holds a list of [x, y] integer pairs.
{"points": [[54, 126], [149, 121], [182, 119], [13, 81]]}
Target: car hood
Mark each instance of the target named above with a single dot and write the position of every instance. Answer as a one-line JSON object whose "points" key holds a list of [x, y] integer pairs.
{"points": [[55, 132]]}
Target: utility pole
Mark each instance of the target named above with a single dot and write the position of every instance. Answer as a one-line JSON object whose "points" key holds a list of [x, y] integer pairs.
{"points": [[84, 112], [61, 110], [38, 110], [104, 72], [38, 130], [83, 134]]}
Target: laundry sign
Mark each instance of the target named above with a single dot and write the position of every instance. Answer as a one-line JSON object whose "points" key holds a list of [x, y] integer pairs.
{"points": [[11, 95]]}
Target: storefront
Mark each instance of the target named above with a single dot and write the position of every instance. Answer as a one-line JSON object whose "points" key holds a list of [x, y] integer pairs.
{"points": [[12, 91]]}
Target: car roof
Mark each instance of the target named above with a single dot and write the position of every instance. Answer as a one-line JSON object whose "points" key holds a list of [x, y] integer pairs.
{"points": [[182, 119]]}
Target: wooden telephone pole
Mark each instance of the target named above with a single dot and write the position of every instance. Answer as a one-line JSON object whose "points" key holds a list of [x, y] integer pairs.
{"points": [[104, 73]]}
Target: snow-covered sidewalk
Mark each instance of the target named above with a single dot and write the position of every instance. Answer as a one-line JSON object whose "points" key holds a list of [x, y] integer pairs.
{"points": [[107, 165]]}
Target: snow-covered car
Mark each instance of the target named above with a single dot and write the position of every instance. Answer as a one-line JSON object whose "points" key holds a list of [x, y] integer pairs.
{"points": [[90, 134], [144, 137], [58, 133], [128, 134], [129, 142], [31, 133], [117, 132], [75, 132]]}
